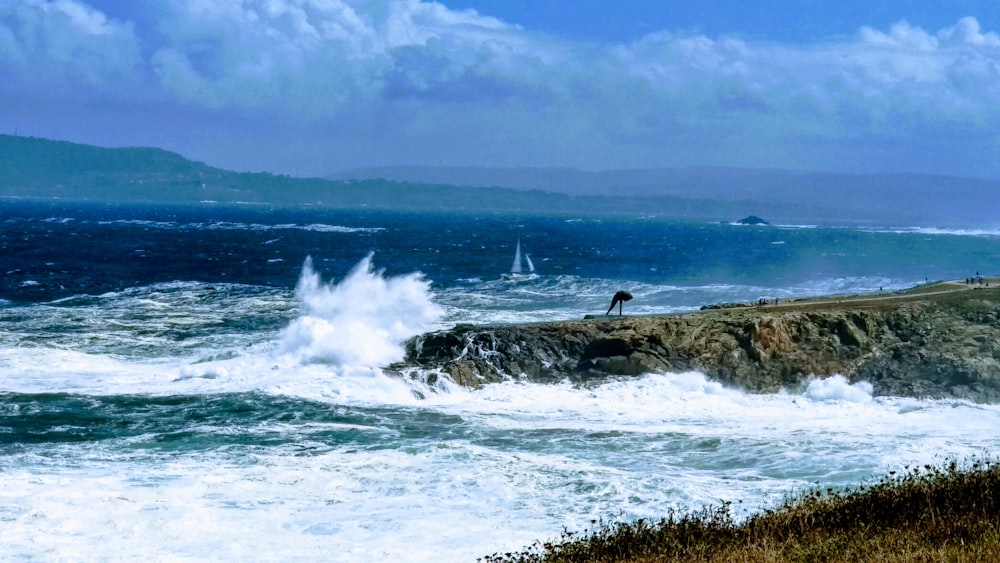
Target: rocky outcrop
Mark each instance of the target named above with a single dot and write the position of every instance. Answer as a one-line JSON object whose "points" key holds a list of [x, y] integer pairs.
{"points": [[946, 345]]}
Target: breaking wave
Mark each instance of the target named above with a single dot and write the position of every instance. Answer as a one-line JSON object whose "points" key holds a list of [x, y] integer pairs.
{"points": [[363, 320]]}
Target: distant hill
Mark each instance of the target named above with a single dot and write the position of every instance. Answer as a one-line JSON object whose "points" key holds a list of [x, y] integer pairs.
{"points": [[778, 195], [46, 169], [32, 161]]}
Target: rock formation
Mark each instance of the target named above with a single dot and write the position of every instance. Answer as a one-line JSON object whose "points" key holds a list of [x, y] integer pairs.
{"points": [[752, 220], [932, 344]]}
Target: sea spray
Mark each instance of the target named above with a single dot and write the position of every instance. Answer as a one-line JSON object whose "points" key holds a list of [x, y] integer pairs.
{"points": [[335, 348], [361, 321], [837, 388]]}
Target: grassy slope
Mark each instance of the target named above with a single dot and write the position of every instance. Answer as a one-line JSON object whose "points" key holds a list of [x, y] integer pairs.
{"points": [[946, 291], [925, 514]]}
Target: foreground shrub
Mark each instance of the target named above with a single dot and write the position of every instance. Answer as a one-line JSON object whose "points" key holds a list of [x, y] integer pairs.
{"points": [[949, 513]]}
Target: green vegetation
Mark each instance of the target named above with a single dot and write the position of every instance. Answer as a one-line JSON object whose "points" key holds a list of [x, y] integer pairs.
{"points": [[43, 169], [949, 513]]}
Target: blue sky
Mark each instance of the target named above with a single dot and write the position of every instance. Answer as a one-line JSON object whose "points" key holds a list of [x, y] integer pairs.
{"points": [[794, 21], [307, 87]]}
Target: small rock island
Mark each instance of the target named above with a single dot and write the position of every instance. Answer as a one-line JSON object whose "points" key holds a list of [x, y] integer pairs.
{"points": [[752, 220]]}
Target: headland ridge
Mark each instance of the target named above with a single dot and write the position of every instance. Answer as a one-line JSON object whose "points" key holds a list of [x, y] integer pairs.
{"points": [[936, 340]]}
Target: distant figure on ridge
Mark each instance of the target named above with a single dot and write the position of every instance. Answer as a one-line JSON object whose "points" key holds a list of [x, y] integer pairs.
{"points": [[619, 298]]}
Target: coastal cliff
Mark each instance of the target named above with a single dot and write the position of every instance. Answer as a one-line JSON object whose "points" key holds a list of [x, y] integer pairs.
{"points": [[936, 341]]}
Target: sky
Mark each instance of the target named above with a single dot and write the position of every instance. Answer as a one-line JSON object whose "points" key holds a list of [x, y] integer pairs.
{"points": [[311, 87]]}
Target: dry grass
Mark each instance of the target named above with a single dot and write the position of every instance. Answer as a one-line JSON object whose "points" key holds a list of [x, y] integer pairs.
{"points": [[937, 291], [924, 514]]}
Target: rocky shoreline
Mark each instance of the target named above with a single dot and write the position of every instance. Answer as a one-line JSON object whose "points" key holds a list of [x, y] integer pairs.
{"points": [[938, 341]]}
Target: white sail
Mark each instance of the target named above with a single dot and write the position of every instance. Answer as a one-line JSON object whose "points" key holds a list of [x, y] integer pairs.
{"points": [[527, 258], [516, 267]]}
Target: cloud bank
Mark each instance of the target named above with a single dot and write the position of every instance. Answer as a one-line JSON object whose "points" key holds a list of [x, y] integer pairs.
{"points": [[309, 86]]}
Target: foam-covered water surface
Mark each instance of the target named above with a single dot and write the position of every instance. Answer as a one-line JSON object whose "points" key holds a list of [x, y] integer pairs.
{"points": [[202, 383], [266, 475]]}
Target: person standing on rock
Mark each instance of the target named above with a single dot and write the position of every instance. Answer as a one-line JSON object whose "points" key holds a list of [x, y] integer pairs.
{"points": [[619, 298]]}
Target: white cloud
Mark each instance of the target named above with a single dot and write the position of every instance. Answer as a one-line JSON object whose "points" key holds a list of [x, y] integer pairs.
{"points": [[968, 33], [432, 82], [313, 58], [900, 35], [903, 70], [64, 46]]}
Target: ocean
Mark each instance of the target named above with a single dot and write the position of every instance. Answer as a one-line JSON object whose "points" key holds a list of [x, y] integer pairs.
{"points": [[206, 383]]}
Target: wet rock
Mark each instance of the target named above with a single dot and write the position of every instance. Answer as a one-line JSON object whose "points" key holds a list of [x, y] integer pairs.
{"points": [[925, 347]]}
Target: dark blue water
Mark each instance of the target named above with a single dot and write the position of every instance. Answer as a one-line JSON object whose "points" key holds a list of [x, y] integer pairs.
{"points": [[50, 251]]}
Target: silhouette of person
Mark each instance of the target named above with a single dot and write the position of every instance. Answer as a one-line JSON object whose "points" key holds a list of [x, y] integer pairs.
{"points": [[619, 298]]}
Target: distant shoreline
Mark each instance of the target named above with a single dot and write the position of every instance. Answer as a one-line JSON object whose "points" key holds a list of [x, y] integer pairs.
{"points": [[43, 168]]}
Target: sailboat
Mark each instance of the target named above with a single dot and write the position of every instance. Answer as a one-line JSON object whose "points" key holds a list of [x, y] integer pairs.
{"points": [[516, 270]]}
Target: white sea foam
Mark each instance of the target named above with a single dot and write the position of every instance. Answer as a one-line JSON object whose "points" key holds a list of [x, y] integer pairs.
{"points": [[515, 463], [837, 388], [44, 370], [332, 350], [795, 227], [228, 226], [363, 320], [336, 347], [989, 232], [317, 227], [937, 231]]}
